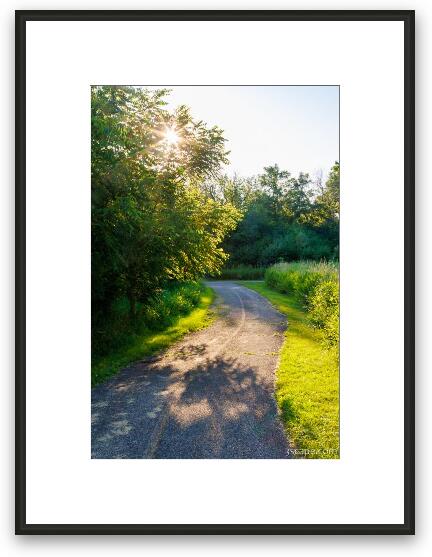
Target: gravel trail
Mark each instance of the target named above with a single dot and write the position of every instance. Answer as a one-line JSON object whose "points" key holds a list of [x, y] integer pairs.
{"points": [[210, 395]]}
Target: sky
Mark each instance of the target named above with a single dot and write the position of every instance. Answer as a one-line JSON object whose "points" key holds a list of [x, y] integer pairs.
{"points": [[296, 127]]}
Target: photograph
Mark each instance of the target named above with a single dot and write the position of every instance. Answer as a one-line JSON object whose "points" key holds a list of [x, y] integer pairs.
{"points": [[215, 271]]}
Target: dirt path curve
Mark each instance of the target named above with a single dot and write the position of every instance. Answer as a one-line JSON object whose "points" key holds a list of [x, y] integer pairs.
{"points": [[211, 395]]}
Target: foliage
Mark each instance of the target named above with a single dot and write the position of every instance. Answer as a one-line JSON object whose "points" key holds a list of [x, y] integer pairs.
{"points": [[284, 217], [164, 319], [163, 216], [241, 272], [324, 310], [151, 222], [316, 287], [307, 382]]}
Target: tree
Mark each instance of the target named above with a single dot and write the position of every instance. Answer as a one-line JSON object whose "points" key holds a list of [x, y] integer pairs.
{"points": [[285, 217], [151, 222], [327, 203]]}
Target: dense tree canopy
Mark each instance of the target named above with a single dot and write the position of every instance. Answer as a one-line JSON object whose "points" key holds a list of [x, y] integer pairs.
{"points": [[284, 217], [151, 221]]}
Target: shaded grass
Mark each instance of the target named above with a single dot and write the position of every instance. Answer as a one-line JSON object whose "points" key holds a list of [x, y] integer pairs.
{"points": [[307, 382], [149, 342]]}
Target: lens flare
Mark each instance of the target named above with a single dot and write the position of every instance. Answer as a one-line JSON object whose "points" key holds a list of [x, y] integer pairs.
{"points": [[171, 136]]}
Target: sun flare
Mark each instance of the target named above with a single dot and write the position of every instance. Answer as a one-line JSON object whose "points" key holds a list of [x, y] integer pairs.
{"points": [[171, 136]]}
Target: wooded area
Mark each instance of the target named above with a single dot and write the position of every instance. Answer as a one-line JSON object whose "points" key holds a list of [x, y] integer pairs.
{"points": [[164, 213]]}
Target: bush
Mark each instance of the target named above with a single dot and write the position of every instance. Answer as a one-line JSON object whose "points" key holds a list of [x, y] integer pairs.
{"points": [[316, 287], [242, 272], [166, 306], [297, 243], [324, 310], [159, 312]]}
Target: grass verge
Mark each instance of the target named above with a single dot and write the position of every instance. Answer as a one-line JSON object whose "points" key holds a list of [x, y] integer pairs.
{"points": [[150, 342], [241, 272], [307, 382]]}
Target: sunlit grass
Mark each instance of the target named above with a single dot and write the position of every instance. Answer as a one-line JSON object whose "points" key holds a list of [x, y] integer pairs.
{"points": [[241, 272], [307, 381], [149, 342]]}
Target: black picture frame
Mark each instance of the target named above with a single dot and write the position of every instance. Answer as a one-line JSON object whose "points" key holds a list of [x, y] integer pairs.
{"points": [[21, 527]]}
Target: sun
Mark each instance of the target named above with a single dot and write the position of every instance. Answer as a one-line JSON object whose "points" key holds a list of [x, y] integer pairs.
{"points": [[171, 136]]}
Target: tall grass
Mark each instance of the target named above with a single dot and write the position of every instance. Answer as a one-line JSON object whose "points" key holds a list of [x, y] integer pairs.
{"points": [[316, 287], [242, 272], [160, 311], [160, 322]]}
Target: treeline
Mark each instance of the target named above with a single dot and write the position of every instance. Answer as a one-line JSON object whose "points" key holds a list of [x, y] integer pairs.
{"points": [[163, 214], [152, 224], [285, 217]]}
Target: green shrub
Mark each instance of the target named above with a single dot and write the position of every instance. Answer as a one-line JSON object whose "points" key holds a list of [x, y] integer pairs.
{"points": [[153, 337], [316, 287], [296, 243], [324, 310], [242, 272], [159, 312]]}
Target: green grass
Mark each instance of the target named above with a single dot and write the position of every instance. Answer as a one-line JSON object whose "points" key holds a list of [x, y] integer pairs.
{"points": [[307, 381], [241, 272], [150, 342], [315, 286]]}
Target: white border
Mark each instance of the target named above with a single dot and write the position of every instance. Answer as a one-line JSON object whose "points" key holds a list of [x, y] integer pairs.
{"points": [[63, 484]]}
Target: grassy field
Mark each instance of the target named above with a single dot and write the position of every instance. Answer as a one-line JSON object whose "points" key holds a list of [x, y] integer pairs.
{"points": [[150, 342], [307, 385]]}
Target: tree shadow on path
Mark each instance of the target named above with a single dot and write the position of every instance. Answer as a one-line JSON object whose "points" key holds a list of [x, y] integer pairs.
{"points": [[220, 408], [223, 409]]}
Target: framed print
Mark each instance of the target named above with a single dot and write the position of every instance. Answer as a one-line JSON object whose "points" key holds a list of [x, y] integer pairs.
{"points": [[215, 272]]}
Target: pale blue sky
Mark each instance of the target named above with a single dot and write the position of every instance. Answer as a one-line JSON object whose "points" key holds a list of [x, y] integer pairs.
{"points": [[296, 127]]}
